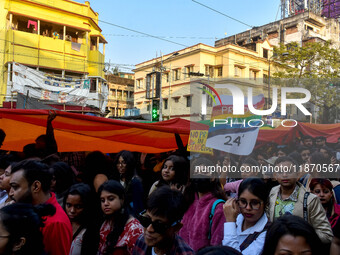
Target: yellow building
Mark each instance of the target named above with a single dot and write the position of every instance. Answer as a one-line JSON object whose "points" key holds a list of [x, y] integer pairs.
{"points": [[246, 66], [58, 37]]}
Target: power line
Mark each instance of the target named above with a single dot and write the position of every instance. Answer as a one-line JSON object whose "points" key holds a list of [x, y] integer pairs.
{"points": [[237, 20], [177, 37], [138, 32]]}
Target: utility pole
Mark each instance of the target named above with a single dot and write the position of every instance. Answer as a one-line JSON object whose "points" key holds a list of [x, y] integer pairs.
{"points": [[160, 91], [160, 86]]}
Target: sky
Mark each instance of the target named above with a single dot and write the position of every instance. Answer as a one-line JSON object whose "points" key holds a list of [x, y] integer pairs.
{"points": [[183, 22]]}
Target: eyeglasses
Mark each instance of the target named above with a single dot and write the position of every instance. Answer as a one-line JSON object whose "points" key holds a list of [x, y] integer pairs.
{"points": [[159, 227], [4, 236], [254, 204]]}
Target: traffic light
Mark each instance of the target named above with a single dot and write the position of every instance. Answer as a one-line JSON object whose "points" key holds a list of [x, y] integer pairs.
{"points": [[155, 110]]}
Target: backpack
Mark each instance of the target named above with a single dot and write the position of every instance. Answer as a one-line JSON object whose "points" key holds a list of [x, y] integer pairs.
{"points": [[211, 215]]}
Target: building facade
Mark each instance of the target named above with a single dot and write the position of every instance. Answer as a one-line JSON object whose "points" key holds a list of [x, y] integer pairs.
{"points": [[61, 38], [179, 73], [121, 93], [302, 27]]}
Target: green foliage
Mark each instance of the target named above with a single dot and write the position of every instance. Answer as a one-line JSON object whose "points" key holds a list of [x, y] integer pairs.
{"points": [[314, 66]]}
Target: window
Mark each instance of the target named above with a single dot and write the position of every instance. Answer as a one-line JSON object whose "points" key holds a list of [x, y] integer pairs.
{"points": [[166, 77], [188, 69], [237, 71], [165, 101], [148, 107], [308, 28], [189, 101], [252, 75], [139, 83], [209, 71], [93, 87], [265, 79], [219, 71], [265, 53], [176, 74]]}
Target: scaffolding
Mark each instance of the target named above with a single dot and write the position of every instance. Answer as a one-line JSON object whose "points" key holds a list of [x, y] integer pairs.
{"points": [[294, 7], [331, 9]]}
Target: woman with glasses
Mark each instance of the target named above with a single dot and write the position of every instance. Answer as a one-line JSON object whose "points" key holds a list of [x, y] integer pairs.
{"points": [[119, 231], [125, 166], [246, 222]]}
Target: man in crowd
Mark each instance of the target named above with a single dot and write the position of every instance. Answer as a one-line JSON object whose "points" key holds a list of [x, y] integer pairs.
{"points": [[307, 141], [161, 222], [320, 141], [290, 197], [304, 153], [30, 183]]}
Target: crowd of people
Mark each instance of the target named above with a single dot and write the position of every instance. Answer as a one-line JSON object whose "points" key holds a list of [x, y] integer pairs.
{"points": [[81, 203]]}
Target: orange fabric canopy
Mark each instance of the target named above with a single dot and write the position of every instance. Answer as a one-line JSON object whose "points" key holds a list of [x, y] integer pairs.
{"points": [[77, 132]]}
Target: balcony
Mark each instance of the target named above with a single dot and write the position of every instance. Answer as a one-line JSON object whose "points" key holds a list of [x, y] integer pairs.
{"points": [[94, 63], [35, 50]]}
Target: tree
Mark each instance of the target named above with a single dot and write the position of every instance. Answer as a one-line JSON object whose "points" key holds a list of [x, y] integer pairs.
{"points": [[316, 67]]}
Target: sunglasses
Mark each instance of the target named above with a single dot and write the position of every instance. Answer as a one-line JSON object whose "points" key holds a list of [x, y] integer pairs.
{"points": [[159, 227]]}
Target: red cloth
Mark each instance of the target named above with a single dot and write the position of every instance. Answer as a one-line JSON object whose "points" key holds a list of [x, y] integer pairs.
{"points": [[334, 218], [132, 230], [57, 232]]}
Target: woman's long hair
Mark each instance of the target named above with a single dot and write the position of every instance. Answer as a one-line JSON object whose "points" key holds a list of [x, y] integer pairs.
{"points": [[24, 221], [181, 168], [87, 199], [215, 187], [119, 218]]}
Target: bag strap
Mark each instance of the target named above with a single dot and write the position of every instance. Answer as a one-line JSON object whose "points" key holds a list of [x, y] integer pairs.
{"points": [[211, 215], [252, 237], [305, 214]]}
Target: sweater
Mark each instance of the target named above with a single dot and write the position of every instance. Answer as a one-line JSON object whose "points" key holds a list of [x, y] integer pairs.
{"points": [[196, 223]]}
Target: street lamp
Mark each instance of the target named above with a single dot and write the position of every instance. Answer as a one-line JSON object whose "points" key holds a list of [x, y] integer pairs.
{"points": [[160, 87]]}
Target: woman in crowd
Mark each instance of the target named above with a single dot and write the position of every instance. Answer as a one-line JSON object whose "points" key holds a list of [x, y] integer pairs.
{"points": [[227, 160], [120, 230], [4, 185], [63, 179], [174, 172], [291, 234], [96, 170], [203, 221], [77, 204], [20, 228], [248, 168], [126, 174], [323, 188], [246, 231]]}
